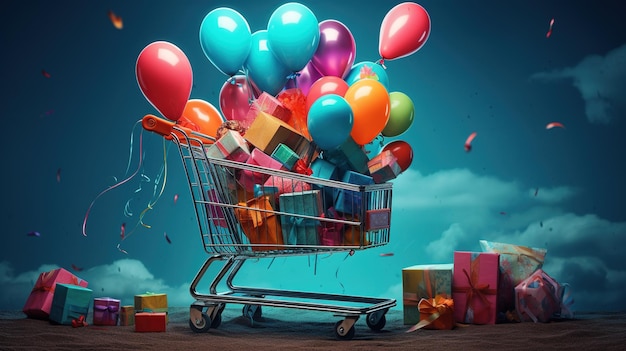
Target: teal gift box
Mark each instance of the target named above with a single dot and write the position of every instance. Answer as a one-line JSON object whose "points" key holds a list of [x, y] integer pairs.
{"points": [[348, 201], [69, 302], [325, 170], [285, 155], [299, 230], [349, 156]]}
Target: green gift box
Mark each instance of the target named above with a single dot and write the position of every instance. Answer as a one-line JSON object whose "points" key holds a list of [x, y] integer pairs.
{"points": [[297, 229], [285, 155], [69, 302]]}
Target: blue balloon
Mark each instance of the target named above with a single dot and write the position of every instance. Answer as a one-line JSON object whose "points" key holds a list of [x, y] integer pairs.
{"points": [[367, 70], [265, 70], [330, 121], [293, 34], [225, 39]]}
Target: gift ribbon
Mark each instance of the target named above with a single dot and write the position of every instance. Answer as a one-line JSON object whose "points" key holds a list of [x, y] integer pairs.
{"points": [[295, 222], [302, 168], [109, 311], [474, 289], [43, 283], [79, 322], [434, 308]]}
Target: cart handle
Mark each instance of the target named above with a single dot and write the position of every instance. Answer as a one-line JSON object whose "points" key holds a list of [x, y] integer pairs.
{"points": [[165, 128]]}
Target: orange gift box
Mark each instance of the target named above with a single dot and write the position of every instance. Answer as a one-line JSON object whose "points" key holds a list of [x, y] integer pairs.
{"points": [[150, 321], [260, 224]]}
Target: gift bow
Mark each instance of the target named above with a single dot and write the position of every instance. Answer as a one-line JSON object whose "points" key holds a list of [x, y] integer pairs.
{"points": [[434, 308], [296, 222], [79, 322], [302, 168], [474, 289], [109, 308], [43, 283]]}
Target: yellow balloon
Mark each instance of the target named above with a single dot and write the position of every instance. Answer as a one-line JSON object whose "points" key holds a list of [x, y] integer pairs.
{"points": [[370, 105]]}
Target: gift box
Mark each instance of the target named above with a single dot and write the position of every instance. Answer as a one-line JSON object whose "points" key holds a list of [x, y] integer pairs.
{"points": [[424, 281], [270, 105], [150, 302], [384, 167], [127, 315], [231, 146], [349, 156], [70, 302], [301, 230], [331, 233], [39, 301], [286, 185], [150, 321], [285, 156], [475, 287], [248, 179], [215, 212], [262, 228], [349, 201], [267, 131], [538, 298], [106, 311], [323, 169]]}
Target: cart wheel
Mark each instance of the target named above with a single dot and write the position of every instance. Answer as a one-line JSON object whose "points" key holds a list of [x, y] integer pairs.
{"points": [[339, 332], [215, 322], [374, 324], [201, 325], [252, 311]]}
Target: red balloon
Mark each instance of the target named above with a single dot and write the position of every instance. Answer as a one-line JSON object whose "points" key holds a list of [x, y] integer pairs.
{"points": [[402, 151], [404, 30], [164, 76], [235, 97], [323, 86]]}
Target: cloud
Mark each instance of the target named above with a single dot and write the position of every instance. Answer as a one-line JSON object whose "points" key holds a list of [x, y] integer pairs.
{"points": [[601, 81], [122, 279]]}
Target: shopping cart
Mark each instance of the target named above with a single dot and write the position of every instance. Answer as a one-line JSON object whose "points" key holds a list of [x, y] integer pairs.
{"points": [[281, 214]]}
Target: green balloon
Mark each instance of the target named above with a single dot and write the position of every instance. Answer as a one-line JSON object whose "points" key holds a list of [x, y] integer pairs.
{"points": [[400, 115]]}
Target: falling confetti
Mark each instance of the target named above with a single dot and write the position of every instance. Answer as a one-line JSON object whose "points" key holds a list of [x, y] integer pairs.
{"points": [[122, 230], [167, 238], [468, 142], [121, 250], [536, 191], [76, 268], [59, 175], [45, 73], [386, 254], [175, 199], [33, 234], [116, 20], [554, 125], [502, 213], [550, 29]]}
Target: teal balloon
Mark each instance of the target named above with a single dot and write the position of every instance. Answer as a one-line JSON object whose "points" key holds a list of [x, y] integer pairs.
{"points": [[265, 70], [330, 121], [367, 70], [293, 33], [225, 39]]}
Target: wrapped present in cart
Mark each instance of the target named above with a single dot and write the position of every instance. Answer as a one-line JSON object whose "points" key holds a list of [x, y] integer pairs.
{"points": [[287, 213]]}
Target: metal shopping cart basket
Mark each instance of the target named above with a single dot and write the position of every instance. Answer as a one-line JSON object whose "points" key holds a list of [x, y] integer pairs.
{"points": [[238, 222]]}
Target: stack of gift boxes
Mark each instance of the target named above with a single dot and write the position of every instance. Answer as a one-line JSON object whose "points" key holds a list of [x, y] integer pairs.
{"points": [[270, 141], [502, 283], [61, 297]]}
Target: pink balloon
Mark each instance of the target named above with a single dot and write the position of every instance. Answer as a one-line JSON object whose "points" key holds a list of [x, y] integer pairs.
{"points": [[336, 50], [404, 30], [164, 76], [326, 85], [305, 79], [235, 97]]}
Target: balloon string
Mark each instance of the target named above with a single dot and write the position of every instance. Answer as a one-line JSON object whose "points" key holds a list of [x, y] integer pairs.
{"points": [[382, 63], [117, 184]]}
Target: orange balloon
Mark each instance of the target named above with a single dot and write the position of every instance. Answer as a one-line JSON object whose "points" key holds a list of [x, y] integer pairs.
{"points": [[202, 117], [370, 104]]}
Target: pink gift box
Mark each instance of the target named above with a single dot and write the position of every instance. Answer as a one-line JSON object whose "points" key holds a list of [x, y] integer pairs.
{"points": [[331, 233], [538, 297], [384, 167], [39, 301], [268, 104], [216, 212], [231, 146], [475, 287], [287, 185], [248, 179], [106, 311]]}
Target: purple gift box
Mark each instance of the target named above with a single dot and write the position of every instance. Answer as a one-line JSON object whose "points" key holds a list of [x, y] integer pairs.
{"points": [[106, 311]]}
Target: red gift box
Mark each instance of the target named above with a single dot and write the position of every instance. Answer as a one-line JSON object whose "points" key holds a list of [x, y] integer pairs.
{"points": [[39, 301], [384, 167], [475, 287], [150, 321]]}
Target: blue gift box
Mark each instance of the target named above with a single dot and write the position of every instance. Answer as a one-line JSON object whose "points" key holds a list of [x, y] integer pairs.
{"points": [[69, 302], [349, 156], [348, 201], [301, 230]]}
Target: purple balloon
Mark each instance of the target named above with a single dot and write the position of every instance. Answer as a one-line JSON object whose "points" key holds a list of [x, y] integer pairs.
{"points": [[304, 79], [336, 50]]}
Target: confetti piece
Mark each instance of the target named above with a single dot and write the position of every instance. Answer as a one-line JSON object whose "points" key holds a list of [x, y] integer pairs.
{"points": [[503, 213], [45, 73], [59, 175], [468, 142], [386, 254], [167, 238], [122, 230], [76, 268], [536, 191], [554, 125], [550, 29], [121, 250], [175, 199], [116, 20], [33, 234]]}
